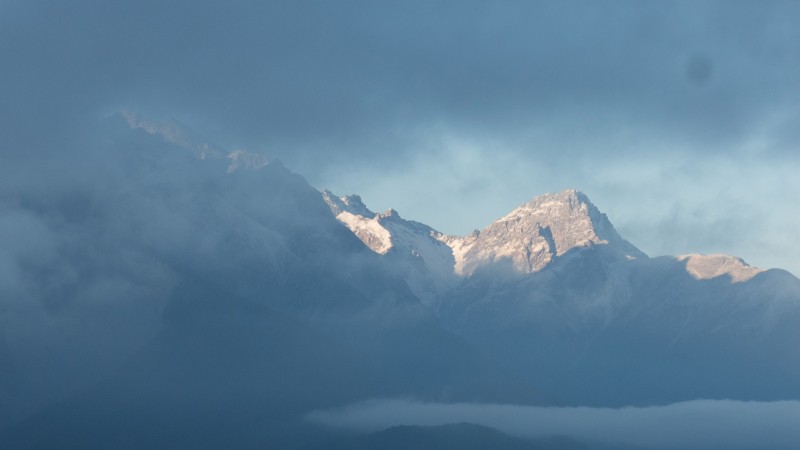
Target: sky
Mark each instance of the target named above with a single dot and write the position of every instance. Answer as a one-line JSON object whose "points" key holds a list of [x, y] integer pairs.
{"points": [[678, 119]]}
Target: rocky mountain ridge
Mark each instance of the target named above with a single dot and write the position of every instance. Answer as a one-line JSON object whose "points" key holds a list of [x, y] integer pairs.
{"points": [[228, 304], [527, 239]]}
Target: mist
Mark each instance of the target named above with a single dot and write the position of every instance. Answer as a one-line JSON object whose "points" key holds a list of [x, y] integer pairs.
{"points": [[707, 424], [187, 273], [688, 108]]}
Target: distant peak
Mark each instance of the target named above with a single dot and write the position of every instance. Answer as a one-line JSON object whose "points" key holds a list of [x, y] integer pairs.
{"points": [[530, 236], [552, 206], [170, 130], [243, 159], [706, 267], [355, 203], [173, 132], [535, 233], [570, 196], [391, 212], [349, 203]]}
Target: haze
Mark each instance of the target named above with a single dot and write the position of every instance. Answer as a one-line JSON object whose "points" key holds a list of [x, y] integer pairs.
{"points": [[680, 119]]}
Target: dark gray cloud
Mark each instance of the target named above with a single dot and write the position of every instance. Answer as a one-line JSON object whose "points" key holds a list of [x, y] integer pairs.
{"points": [[707, 424], [368, 96], [678, 119], [295, 72]]}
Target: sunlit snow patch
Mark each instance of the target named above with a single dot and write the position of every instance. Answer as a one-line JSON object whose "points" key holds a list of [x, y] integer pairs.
{"points": [[706, 267]]}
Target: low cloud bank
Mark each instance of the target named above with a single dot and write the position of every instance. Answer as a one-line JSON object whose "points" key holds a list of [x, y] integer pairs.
{"points": [[692, 424]]}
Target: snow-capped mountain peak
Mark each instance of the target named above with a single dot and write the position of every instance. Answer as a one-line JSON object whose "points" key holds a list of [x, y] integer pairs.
{"points": [[391, 212], [347, 203], [529, 237], [572, 220], [365, 224], [419, 248], [532, 235]]}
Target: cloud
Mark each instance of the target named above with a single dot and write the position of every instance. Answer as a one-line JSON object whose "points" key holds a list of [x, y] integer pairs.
{"points": [[679, 120], [489, 104], [306, 73], [24, 240], [703, 424], [674, 203]]}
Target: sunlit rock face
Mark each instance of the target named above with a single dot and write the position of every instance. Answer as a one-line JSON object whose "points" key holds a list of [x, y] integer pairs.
{"points": [[420, 252], [553, 291], [528, 238], [532, 235], [706, 267]]}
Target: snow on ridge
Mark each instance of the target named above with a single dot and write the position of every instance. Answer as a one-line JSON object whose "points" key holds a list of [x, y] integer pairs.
{"points": [[410, 242], [175, 133], [459, 246], [706, 267], [567, 215], [530, 236], [242, 159], [382, 231], [545, 203], [350, 203], [365, 224], [370, 231]]}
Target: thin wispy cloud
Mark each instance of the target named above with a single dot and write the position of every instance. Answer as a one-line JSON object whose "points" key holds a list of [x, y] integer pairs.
{"points": [[707, 424]]}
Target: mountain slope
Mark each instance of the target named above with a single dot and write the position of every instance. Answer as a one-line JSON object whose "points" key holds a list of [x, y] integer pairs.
{"points": [[213, 306], [417, 250], [559, 297], [527, 239], [185, 296], [532, 236]]}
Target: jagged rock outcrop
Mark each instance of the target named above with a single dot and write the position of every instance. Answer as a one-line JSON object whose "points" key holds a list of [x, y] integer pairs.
{"points": [[532, 235], [527, 239]]}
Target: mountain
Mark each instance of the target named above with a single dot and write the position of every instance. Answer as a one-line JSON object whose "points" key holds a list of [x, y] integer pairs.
{"points": [[421, 253], [554, 293], [527, 239], [171, 293], [534, 235], [193, 306]]}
